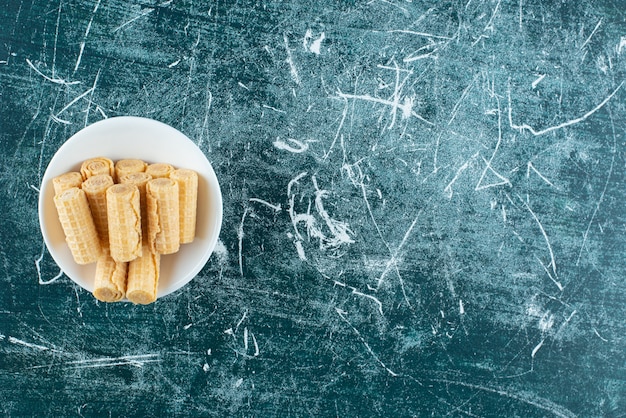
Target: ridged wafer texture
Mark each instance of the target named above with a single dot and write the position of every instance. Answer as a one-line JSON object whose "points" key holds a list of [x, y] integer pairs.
{"points": [[163, 216], [188, 200], [140, 180], [66, 181], [95, 166], [143, 278], [110, 279], [78, 226], [95, 188], [159, 170], [128, 166], [124, 217]]}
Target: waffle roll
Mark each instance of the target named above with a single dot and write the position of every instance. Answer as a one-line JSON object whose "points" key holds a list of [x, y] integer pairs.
{"points": [[124, 220], [78, 225], [140, 180], [188, 200], [163, 216], [95, 188], [67, 181], [110, 279], [143, 278], [95, 166], [159, 170], [128, 166]]}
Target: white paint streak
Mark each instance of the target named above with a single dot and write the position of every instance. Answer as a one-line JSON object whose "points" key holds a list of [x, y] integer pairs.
{"points": [[591, 34], [375, 299], [537, 81], [276, 208], [461, 169], [82, 44], [406, 107], [530, 166], [17, 341], [152, 9], [51, 79], [424, 34], [535, 132], [256, 345], [545, 235], [621, 45], [221, 252], [537, 347], [297, 148], [38, 267], [528, 398], [311, 45], [606, 185], [292, 67], [77, 98], [342, 315], [488, 164], [340, 230], [240, 235], [300, 250]]}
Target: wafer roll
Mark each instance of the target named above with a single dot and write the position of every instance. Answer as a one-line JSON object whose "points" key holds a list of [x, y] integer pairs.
{"points": [[95, 166], [188, 200], [77, 223], [163, 214], [159, 170], [128, 166], [110, 279], [140, 180], [143, 278], [95, 188], [124, 217], [67, 181]]}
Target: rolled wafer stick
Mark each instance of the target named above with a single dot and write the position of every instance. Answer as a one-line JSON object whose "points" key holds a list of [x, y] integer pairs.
{"points": [[128, 166], [95, 166], [95, 188], [140, 180], [110, 279], [66, 181], [163, 214], [159, 170], [188, 200], [124, 218], [78, 226], [143, 278]]}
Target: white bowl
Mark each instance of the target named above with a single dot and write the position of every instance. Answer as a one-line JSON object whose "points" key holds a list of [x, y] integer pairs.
{"points": [[134, 137]]}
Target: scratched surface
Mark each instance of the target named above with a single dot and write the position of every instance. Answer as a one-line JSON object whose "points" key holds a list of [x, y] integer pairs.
{"points": [[424, 208]]}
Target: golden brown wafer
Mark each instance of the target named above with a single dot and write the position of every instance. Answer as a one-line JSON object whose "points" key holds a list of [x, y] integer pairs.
{"points": [[67, 181], [143, 278], [163, 214], [188, 200], [95, 188], [110, 279], [78, 225], [124, 218], [140, 180], [95, 166], [128, 166], [159, 170]]}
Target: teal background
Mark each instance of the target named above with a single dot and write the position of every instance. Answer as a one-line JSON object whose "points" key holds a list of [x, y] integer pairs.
{"points": [[424, 208]]}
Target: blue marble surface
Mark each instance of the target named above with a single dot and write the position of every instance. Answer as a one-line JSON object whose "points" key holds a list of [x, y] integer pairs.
{"points": [[424, 208]]}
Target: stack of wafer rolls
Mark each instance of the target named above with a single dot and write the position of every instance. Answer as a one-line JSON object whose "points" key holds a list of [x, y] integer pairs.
{"points": [[124, 216]]}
